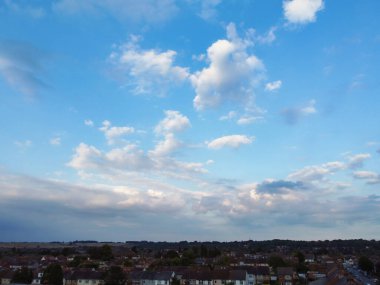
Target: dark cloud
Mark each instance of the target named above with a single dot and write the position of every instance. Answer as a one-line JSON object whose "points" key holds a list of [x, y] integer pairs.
{"points": [[291, 116], [279, 186]]}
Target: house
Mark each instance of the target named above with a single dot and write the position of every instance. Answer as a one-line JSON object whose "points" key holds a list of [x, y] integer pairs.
{"points": [[193, 277], [37, 277], [237, 277], [83, 277], [6, 277], [150, 277], [285, 275], [309, 258], [258, 275]]}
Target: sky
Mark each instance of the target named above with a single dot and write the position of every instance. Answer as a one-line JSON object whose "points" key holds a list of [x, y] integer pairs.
{"points": [[213, 120]]}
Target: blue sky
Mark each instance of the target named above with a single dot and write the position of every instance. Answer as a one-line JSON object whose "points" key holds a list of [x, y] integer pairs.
{"points": [[189, 120]]}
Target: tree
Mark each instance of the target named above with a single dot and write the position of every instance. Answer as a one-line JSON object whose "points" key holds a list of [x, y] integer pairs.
{"points": [[114, 276], [53, 275], [276, 261], [365, 264], [101, 253], [300, 256], [23, 276]]}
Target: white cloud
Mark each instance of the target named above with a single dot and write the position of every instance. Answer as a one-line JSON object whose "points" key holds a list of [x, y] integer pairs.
{"points": [[56, 141], [231, 75], [146, 11], [309, 109], [268, 38], [248, 119], [272, 86], [147, 71], [317, 173], [356, 161], [229, 116], [302, 11], [89, 123], [113, 133], [23, 144], [174, 121], [167, 145], [233, 141]]}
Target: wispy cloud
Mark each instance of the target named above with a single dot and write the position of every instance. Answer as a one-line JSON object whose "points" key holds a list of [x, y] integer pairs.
{"points": [[143, 11], [21, 65]]}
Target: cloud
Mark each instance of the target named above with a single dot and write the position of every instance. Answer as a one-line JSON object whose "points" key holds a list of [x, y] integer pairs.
{"points": [[356, 161], [118, 200], [268, 38], [208, 9], [22, 9], [113, 133], [272, 86], [317, 173], [231, 75], [301, 11], [56, 141], [21, 65], [142, 11], [279, 186], [233, 141], [174, 121], [23, 144], [229, 116], [293, 115], [371, 177], [147, 71], [167, 145], [89, 123]]}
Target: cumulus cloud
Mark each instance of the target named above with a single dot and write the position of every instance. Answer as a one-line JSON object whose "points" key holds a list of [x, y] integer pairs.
{"points": [[145, 11], [231, 75], [166, 146], [272, 86], [294, 114], [113, 133], [233, 141], [21, 65], [174, 121], [301, 11], [147, 71]]}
